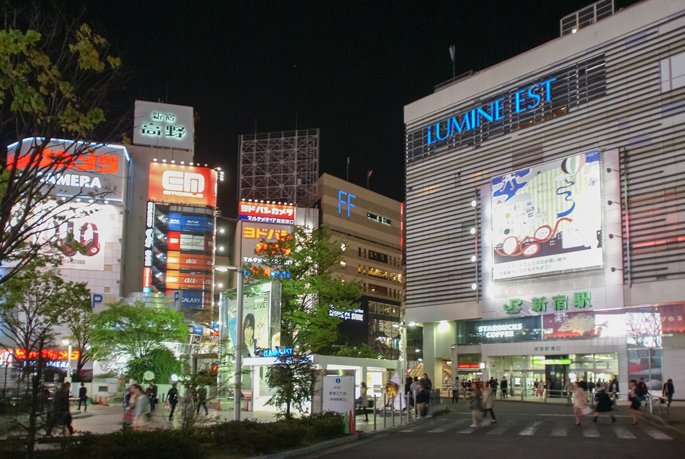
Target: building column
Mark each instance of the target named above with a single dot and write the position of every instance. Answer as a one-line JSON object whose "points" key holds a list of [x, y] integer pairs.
{"points": [[429, 362]]}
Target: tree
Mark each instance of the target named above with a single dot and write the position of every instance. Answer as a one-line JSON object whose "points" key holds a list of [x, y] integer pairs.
{"points": [[303, 263], [33, 303], [56, 75], [134, 331], [77, 319], [161, 362], [364, 352]]}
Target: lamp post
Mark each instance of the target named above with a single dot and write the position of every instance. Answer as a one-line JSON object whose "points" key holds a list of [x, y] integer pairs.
{"points": [[238, 337], [66, 342], [402, 326]]}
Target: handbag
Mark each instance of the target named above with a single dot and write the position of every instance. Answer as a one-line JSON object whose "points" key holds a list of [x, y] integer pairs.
{"points": [[587, 410]]}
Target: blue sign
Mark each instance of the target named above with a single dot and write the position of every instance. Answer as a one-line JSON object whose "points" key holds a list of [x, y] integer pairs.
{"points": [[175, 221], [337, 380], [191, 300], [179, 222], [277, 352], [97, 299], [522, 100], [347, 200], [195, 330]]}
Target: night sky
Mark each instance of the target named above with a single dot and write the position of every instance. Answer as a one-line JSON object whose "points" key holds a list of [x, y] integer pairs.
{"points": [[346, 67]]}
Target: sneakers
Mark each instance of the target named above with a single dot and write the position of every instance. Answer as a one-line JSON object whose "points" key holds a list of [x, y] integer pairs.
{"points": [[493, 421], [613, 419], [594, 419], [473, 426]]}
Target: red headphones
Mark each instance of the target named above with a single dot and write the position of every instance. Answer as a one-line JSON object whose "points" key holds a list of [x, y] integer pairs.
{"points": [[66, 242], [92, 246]]}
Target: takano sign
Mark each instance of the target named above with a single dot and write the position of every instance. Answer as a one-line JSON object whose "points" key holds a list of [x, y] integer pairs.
{"points": [[525, 99]]}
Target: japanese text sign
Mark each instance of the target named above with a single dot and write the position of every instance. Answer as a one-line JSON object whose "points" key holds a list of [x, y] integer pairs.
{"points": [[267, 213], [163, 125]]}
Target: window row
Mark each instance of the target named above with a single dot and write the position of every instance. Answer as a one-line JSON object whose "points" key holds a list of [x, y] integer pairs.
{"points": [[378, 256], [381, 290], [380, 273]]}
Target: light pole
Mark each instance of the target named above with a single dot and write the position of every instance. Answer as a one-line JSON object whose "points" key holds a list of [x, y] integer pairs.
{"points": [[238, 337], [66, 342], [402, 326]]}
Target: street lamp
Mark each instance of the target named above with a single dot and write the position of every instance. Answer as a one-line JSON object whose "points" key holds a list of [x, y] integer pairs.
{"points": [[238, 337], [65, 342], [402, 326]]}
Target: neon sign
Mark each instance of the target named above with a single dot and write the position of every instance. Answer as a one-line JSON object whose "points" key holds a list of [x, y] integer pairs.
{"points": [[523, 100], [345, 202], [277, 352]]}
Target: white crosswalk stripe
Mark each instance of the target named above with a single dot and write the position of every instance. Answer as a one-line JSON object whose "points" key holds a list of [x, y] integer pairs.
{"points": [[622, 432], [591, 431], [530, 430], [499, 430], [448, 426], [560, 430], [656, 434], [407, 430]]}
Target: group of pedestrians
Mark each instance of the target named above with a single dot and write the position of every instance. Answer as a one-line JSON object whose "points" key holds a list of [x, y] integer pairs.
{"points": [[481, 402], [418, 391], [468, 386], [139, 403]]}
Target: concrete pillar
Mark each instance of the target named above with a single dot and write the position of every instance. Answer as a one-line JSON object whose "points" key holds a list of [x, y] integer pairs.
{"points": [[429, 367]]}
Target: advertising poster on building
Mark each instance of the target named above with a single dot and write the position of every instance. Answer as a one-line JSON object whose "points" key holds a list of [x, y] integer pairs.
{"points": [[547, 219], [182, 184], [646, 363], [500, 331], [569, 325]]}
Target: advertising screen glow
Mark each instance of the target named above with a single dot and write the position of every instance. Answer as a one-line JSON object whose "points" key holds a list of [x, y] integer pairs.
{"points": [[547, 219]]}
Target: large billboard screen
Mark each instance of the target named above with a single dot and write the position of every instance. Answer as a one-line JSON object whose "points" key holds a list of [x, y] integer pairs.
{"points": [[76, 168], [163, 125], [182, 184], [547, 219]]}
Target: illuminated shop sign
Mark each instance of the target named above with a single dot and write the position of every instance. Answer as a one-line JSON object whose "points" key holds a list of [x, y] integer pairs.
{"points": [[182, 184], [356, 315], [547, 219], [345, 199], [553, 362], [48, 354], [163, 125], [379, 219], [277, 352], [580, 300], [267, 213], [468, 365], [527, 328], [270, 234], [499, 331], [523, 100]]}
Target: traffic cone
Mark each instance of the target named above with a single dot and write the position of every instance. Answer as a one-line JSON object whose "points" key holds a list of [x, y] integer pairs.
{"points": [[100, 400], [218, 404], [351, 418], [247, 404]]}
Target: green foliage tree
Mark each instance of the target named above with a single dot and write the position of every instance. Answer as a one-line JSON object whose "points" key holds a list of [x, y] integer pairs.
{"points": [[77, 319], [56, 77], [135, 331], [304, 263], [161, 362], [32, 304], [364, 352]]}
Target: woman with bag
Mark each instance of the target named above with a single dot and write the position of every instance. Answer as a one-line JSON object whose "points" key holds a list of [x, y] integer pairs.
{"points": [[634, 398], [604, 405], [579, 403], [489, 402], [476, 405]]}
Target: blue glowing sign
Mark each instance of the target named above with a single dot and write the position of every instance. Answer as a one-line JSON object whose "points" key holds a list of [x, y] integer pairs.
{"points": [[523, 100], [342, 201], [277, 352]]}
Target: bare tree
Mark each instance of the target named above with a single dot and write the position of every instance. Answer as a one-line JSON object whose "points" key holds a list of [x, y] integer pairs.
{"points": [[56, 77]]}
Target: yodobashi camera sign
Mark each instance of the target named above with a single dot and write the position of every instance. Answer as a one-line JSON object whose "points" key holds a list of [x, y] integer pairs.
{"points": [[163, 125]]}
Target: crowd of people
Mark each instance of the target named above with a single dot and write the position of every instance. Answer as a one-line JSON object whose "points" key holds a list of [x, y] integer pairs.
{"points": [[139, 403]]}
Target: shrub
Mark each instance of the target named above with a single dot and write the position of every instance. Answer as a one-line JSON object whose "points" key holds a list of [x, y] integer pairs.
{"points": [[323, 426], [253, 437], [128, 444]]}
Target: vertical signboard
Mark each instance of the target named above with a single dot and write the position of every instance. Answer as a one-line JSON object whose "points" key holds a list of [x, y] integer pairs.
{"points": [[547, 219], [338, 394]]}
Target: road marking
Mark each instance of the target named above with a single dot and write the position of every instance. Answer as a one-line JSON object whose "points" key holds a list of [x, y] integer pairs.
{"points": [[560, 430], [656, 434], [591, 431], [500, 429], [530, 430], [447, 426], [408, 430], [469, 430], [622, 432]]}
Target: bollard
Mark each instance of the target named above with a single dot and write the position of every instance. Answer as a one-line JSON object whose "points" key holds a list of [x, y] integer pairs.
{"points": [[416, 406], [393, 411], [406, 396], [375, 407], [385, 418]]}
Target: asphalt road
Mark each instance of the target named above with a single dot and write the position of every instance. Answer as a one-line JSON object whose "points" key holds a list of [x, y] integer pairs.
{"points": [[523, 430]]}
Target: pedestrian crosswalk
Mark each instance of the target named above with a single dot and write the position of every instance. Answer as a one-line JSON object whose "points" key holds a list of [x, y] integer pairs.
{"points": [[463, 426]]}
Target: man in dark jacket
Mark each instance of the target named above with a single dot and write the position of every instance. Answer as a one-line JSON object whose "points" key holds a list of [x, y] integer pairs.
{"points": [[60, 410], [172, 398], [422, 398], [407, 390], [83, 398], [427, 384], [151, 393], [504, 385]]}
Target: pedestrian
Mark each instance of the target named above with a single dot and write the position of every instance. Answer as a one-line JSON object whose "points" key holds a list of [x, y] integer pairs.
{"points": [[172, 400], [421, 401], [408, 390], [504, 386], [536, 387], [634, 399], [579, 402], [642, 390], [591, 386], [202, 400], [489, 402], [60, 410], [140, 407], [667, 393], [151, 392], [365, 402], [455, 391], [604, 405], [613, 388], [427, 383], [83, 398], [569, 390], [583, 384], [476, 406], [127, 394]]}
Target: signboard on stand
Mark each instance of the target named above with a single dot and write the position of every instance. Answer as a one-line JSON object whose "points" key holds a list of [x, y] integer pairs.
{"points": [[338, 394]]}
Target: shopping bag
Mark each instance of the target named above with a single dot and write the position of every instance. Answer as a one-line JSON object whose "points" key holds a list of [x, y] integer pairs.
{"points": [[587, 410]]}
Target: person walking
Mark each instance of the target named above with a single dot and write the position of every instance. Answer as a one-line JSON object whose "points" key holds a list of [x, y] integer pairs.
{"points": [[504, 386], [476, 405], [365, 401], [455, 391], [202, 399], [642, 391], [60, 410], [172, 400], [83, 398], [140, 407], [408, 384], [613, 388], [604, 405], [427, 383], [583, 384], [151, 392], [634, 399], [579, 402], [536, 388], [489, 402], [422, 398], [569, 390], [667, 393]]}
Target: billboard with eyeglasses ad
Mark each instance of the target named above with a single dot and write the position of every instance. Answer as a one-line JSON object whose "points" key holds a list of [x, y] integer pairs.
{"points": [[547, 219]]}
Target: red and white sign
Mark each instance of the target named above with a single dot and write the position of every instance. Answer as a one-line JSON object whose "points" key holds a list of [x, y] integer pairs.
{"points": [[182, 184], [267, 213], [174, 240], [48, 354], [147, 277]]}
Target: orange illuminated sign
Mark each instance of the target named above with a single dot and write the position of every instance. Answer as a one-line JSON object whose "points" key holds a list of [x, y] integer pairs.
{"points": [[93, 162], [48, 354], [250, 232], [176, 280], [176, 260], [182, 184]]}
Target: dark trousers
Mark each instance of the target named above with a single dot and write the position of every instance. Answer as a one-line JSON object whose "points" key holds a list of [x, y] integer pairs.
{"points": [[63, 418], [455, 396], [203, 405], [504, 393], [489, 410], [173, 408], [85, 404], [366, 413], [152, 404]]}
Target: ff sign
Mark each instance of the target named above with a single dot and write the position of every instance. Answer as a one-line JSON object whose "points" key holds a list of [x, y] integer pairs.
{"points": [[345, 199]]}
